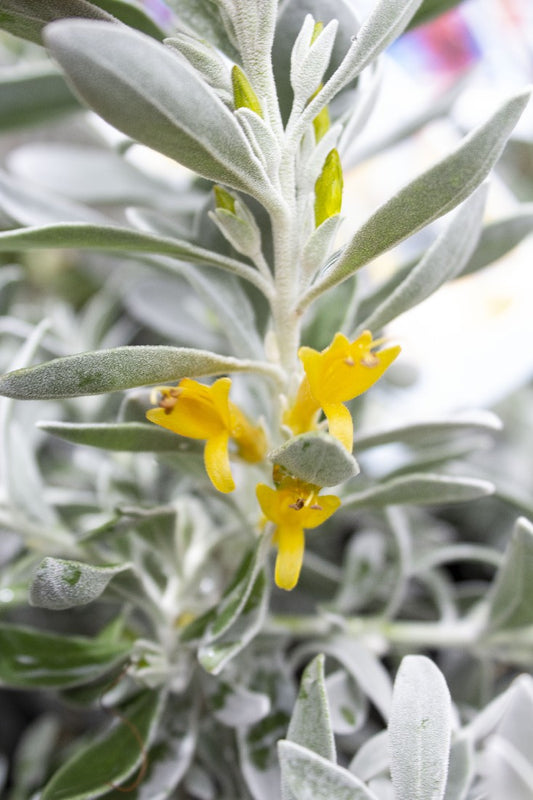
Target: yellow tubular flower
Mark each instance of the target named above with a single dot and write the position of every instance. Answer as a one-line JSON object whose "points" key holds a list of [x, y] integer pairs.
{"points": [[205, 412], [339, 373], [293, 508]]}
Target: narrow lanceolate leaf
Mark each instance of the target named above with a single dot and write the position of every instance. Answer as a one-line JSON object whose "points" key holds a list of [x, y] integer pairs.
{"points": [[60, 584], [433, 431], [420, 731], [310, 724], [442, 262], [511, 603], [130, 437], [429, 196], [32, 95], [27, 18], [32, 659], [110, 237], [419, 489], [113, 758], [114, 370], [312, 777], [388, 19], [150, 94]]}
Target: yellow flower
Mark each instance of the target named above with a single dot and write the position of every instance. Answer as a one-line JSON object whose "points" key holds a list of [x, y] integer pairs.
{"points": [[293, 507], [198, 411], [339, 373]]}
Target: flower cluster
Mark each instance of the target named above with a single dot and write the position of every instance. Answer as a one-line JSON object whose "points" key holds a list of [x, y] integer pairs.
{"points": [[341, 372]]}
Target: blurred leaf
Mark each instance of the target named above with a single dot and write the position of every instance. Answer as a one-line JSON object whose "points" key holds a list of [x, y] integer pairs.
{"points": [[372, 757], [461, 769], [32, 659], [511, 601], [430, 195], [33, 755], [420, 731], [85, 174], [442, 262], [316, 458], [433, 432], [156, 98], [431, 9], [311, 777], [171, 755], [27, 18], [114, 370], [348, 704], [60, 584], [500, 237], [131, 437], [32, 95], [28, 204], [131, 13], [419, 489], [236, 706], [114, 757]]}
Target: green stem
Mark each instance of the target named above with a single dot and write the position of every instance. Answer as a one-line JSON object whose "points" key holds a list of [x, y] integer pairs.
{"points": [[460, 634]]}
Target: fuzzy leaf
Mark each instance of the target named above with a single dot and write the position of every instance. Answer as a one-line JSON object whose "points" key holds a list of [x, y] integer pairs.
{"points": [[60, 584], [433, 432], [420, 731], [130, 437], [420, 489], [511, 603], [112, 758], [112, 238], [147, 92], [32, 95], [312, 777], [387, 20], [290, 20], [442, 262], [429, 196], [316, 458], [32, 659], [114, 370], [310, 724], [214, 655]]}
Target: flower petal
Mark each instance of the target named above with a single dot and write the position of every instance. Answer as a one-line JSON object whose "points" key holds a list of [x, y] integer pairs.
{"points": [[216, 459], [291, 542], [340, 423], [321, 510]]}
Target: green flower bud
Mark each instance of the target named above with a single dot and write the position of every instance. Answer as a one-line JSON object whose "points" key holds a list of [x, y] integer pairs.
{"points": [[243, 94], [223, 199], [328, 189]]}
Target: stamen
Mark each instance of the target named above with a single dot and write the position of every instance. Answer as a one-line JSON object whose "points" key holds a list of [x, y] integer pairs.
{"points": [[369, 360], [315, 507], [298, 505], [349, 361]]}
